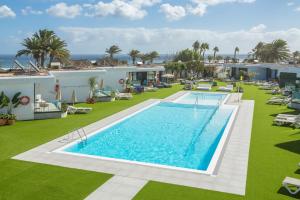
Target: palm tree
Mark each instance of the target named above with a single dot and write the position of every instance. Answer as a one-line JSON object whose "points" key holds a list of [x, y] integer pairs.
{"points": [[44, 36], [215, 49], [134, 55], [114, 49], [296, 57], [144, 57], [153, 55], [236, 50], [42, 45], [196, 46], [278, 51], [58, 50], [204, 47], [32, 48]]}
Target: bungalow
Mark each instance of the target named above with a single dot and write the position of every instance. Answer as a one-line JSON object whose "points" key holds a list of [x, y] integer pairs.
{"points": [[40, 87], [285, 73]]}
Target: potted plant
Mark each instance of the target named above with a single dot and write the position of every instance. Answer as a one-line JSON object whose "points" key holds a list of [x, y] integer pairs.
{"points": [[113, 96], [3, 119], [11, 119]]}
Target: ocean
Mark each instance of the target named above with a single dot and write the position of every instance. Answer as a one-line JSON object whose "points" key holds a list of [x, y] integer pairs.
{"points": [[7, 61]]}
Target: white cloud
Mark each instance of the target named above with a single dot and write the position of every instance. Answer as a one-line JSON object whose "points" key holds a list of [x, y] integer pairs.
{"points": [[290, 3], [165, 40], [216, 2], [199, 7], [297, 9], [129, 9], [28, 10], [5, 11], [173, 12], [199, 10], [258, 29], [64, 11]]}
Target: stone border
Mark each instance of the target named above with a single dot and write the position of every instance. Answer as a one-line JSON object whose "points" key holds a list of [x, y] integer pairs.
{"points": [[229, 177]]}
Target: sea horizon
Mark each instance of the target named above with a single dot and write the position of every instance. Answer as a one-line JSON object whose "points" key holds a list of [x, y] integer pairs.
{"points": [[7, 60]]}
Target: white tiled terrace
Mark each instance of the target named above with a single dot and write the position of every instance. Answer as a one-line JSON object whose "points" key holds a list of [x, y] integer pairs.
{"points": [[229, 176]]}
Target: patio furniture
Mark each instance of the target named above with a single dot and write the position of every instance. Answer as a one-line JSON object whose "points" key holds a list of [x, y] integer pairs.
{"points": [[78, 110], [279, 101], [150, 89], [290, 183], [188, 86], [204, 87], [228, 88], [292, 120], [123, 96]]}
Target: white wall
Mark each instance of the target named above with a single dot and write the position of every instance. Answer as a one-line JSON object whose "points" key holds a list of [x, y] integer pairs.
{"points": [[25, 85], [77, 81], [113, 75]]}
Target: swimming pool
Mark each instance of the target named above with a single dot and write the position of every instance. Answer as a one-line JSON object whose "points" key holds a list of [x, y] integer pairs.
{"points": [[203, 98], [166, 134]]}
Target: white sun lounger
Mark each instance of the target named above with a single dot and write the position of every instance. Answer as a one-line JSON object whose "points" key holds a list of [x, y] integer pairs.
{"points": [[203, 87], [34, 66], [278, 101], [228, 88], [289, 182], [78, 110], [123, 96]]}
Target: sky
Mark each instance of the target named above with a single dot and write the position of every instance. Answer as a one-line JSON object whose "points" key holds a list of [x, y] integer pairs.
{"points": [[167, 26]]}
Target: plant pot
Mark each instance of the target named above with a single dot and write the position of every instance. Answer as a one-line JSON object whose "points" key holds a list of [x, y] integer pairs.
{"points": [[11, 122], [3, 122]]}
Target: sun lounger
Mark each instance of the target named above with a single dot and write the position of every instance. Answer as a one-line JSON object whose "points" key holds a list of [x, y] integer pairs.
{"points": [[78, 110], [203, 87], [289, 183], [34, 66], [292, 120], [228, 88], [123, 96], [150, 89], [278, 101]]}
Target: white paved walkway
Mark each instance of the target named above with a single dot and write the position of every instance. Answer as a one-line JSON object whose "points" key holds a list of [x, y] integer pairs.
{"points": [[118, 188]]}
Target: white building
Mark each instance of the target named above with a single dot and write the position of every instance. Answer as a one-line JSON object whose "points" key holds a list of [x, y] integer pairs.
{"points": [[41, 87]]}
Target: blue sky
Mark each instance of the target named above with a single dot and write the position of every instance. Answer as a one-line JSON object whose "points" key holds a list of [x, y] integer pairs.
{"points": [[90, 26]]}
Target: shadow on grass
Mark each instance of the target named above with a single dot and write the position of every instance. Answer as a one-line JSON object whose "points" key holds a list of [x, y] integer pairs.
{"points": [[283, 191], [297, 171], [292, 146]]}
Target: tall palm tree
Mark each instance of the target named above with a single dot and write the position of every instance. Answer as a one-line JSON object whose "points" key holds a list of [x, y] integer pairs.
{"points": [[114, 49], [278, 51], [144, 57], [42, 45], [58, 50], [44, 36], [196, 46], [236, 51], [153, 55], [215, 49], [134, 55], [31, 48], [204, 47], [296, 57]]}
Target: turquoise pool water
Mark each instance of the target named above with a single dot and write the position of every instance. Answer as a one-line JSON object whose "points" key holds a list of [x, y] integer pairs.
{"points": [[203, 98], [170, 134]]}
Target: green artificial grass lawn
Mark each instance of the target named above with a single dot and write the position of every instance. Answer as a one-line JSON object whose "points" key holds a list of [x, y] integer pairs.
{"points": [[274, 154], [25, 180]]}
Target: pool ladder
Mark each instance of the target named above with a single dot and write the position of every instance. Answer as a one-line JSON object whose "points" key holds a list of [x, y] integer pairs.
{"points": [[79, 132], [197, 101]]}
